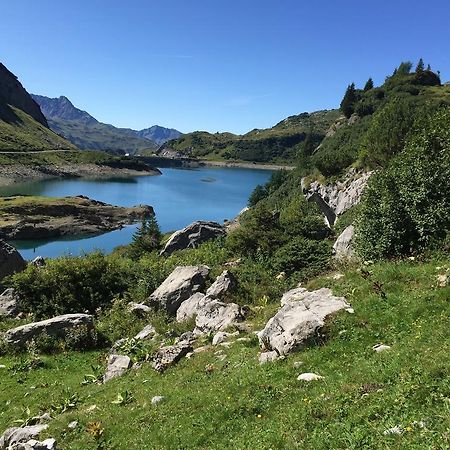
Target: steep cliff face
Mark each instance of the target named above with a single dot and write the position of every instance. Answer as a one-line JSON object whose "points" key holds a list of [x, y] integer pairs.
{"points": [[12, 93], [336, 198]]}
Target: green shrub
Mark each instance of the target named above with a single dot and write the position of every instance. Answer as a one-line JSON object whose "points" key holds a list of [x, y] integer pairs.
{"points": [[406, 208], [305, 256], [71, 285]]}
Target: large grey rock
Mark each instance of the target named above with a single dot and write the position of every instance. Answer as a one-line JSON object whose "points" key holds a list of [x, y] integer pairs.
{"points": [[10, 260], [190, 307], [138, 309], [192, 236], [8, 304], [56, 327], [33, 444], [171, 354], [225, 284], [217, 316], [147, 332], [16, 435], [181, 284], [117, 366], [336, 198], [302, 314], [343, 247]]}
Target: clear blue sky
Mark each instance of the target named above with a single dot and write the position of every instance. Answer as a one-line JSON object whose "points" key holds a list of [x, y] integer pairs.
{"points": [[214, 65]]}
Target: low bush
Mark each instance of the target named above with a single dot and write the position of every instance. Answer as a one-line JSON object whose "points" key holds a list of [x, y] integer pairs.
{"points": [[406, 208]]}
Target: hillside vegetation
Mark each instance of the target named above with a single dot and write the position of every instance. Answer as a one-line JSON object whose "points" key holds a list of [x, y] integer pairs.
{"points": [[23, 127], [397, 283], [280, 143]]}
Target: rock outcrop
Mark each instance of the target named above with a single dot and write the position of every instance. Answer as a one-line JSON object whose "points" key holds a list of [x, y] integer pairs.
{"points": [[8, 304], [117, 366], [17, 435], [10, 260], [190, 307], [171, 354], [334, 199], [181, 284], [217, 316], [57, 327], [302, 314], [192, 236], [343, 247], [224, 284]]}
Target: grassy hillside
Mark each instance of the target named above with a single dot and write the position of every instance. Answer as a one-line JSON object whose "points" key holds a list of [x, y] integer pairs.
{"points": [[280, 143], [20, 132], [236, 403]]}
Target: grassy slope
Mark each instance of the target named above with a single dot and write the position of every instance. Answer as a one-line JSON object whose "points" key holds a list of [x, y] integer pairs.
{"points": [[276, 144], [100, 136], [243, 405], [26, 134]]}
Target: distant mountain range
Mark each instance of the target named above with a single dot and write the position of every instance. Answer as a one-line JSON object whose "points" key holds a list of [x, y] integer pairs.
{"points": [[87, 133], [23, 127]]}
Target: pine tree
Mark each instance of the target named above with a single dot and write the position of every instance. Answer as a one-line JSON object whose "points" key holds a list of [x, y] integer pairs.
{"points": [[146, 238], [369, 85], [420, 66], [428, 68], [349, 100]]}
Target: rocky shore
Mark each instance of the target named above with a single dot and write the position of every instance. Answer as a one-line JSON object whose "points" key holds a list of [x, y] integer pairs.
{"points": [[23, 217], [19, 173]]}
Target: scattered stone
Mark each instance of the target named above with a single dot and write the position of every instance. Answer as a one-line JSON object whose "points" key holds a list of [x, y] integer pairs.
{"points": [[181, 284], [243, 339], [73, 425], [337, 276], [302, 314], [190, 307], [192, 236], [222, 357], [266, 357], [91, 408], [147, 332], [117, 366], [189, 355], [33, 444], [200, 349], [225, 284], [381, 348], [16, 435], [233, 263], [157, 399], [443, 280], [38, 262], [308, 376], [217, 316], [394, 431], [170, 355], [2, 366], [8, 304], [222, 336], [281, 276], [10, 260], [343, 247], [297, 364], [139, 309], [57, 327]]}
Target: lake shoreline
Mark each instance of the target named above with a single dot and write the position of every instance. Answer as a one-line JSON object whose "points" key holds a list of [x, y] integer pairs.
{"points": [[244, 165], [20, 173]]}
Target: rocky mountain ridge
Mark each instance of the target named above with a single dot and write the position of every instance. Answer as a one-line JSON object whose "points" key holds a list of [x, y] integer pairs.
{"points": [[85, 131]]}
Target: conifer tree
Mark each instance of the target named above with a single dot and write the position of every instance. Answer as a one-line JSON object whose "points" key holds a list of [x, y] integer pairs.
{"points": [[369, 85], [349, 100], [146, 238], [420, 66]]}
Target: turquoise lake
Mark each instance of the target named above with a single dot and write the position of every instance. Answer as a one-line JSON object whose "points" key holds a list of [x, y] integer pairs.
{"points": [[178, 196]]}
